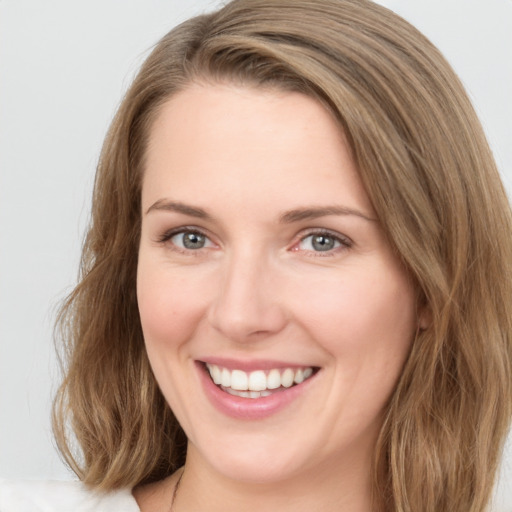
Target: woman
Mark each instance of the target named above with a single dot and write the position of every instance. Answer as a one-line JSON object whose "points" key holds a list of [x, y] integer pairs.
{"points": [[296, 283]]}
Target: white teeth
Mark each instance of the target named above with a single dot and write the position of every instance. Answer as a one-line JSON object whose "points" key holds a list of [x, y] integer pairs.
{"points": [[287, 378], [225, 378], [257, 383], [274, 379], [247, 394], [216, 374], [239, 380], [299, 376]]}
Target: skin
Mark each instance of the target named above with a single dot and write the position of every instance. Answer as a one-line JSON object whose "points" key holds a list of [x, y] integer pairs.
{"points": [[260, 290]]}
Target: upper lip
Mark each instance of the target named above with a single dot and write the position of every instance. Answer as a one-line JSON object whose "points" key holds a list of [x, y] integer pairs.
{"points": [[253, 364]]}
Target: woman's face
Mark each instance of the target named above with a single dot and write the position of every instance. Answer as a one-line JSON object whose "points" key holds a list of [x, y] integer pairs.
{"points": [[262, 267]]}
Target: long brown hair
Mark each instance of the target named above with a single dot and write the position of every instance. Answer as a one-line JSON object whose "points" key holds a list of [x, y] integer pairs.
{"points": [[428, 170]]}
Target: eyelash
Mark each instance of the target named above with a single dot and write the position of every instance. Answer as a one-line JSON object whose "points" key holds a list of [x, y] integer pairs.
{"points": [[168, 235], [343, 241]]}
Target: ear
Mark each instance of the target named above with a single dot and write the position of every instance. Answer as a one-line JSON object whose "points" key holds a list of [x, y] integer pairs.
{"points": [[424, 317]]}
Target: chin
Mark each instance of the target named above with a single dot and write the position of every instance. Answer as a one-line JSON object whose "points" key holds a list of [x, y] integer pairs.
{"points": [[255, 459]]}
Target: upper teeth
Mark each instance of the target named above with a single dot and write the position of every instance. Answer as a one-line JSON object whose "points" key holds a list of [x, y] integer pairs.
{"points": [[258, 380]]}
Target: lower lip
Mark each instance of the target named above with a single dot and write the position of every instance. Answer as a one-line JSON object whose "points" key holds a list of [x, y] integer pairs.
{"points": [[249, 408]]}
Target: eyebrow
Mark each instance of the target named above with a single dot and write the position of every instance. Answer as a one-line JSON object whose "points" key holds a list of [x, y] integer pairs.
{"points": [[288, 217], [301, 214], [174, 206]]}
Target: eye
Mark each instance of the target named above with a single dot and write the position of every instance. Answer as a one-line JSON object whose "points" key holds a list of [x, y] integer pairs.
{"points": [[187, 239], [322, 242]]}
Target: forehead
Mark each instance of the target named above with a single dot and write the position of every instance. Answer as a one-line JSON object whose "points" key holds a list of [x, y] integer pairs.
{"points": [[241, 142]]}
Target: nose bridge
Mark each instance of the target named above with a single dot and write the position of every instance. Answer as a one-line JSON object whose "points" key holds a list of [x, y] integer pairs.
{"points": [[246, 303]]}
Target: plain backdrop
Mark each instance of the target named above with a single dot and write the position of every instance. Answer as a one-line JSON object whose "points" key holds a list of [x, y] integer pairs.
{"points": [[64, 66]]}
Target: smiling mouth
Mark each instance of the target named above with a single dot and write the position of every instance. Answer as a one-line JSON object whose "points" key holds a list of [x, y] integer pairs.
{"points": [[258, 383]]}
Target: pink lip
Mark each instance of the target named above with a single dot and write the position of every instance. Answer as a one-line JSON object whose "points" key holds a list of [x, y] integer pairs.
{"points": [[249, 366], [248, 408]]}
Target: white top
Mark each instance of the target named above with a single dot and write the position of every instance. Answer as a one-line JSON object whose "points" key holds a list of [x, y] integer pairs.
{"points": [[53, 496]]}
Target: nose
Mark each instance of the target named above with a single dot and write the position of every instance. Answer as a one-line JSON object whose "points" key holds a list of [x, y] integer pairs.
{"points": [[247, 306]]}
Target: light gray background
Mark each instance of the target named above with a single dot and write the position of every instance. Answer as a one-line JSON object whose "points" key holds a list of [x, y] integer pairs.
{"points": [[63, 68]]}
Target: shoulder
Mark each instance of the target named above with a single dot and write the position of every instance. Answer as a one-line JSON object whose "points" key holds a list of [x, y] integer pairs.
{"points": [[53, 496]]}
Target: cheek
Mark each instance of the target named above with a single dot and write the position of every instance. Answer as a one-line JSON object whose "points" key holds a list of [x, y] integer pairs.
{"points": [[366, 325], [362, 315], [170, 306]]}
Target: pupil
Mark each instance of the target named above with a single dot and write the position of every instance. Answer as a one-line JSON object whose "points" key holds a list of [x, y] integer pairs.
{"points": [[323, 243], [193, 241]]}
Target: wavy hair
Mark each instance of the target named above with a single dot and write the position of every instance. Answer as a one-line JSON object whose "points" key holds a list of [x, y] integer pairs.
{"points": [[431, 177]]}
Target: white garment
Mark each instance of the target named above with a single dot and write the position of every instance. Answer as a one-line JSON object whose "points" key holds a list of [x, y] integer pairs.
{"points": [[53, 496]]}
